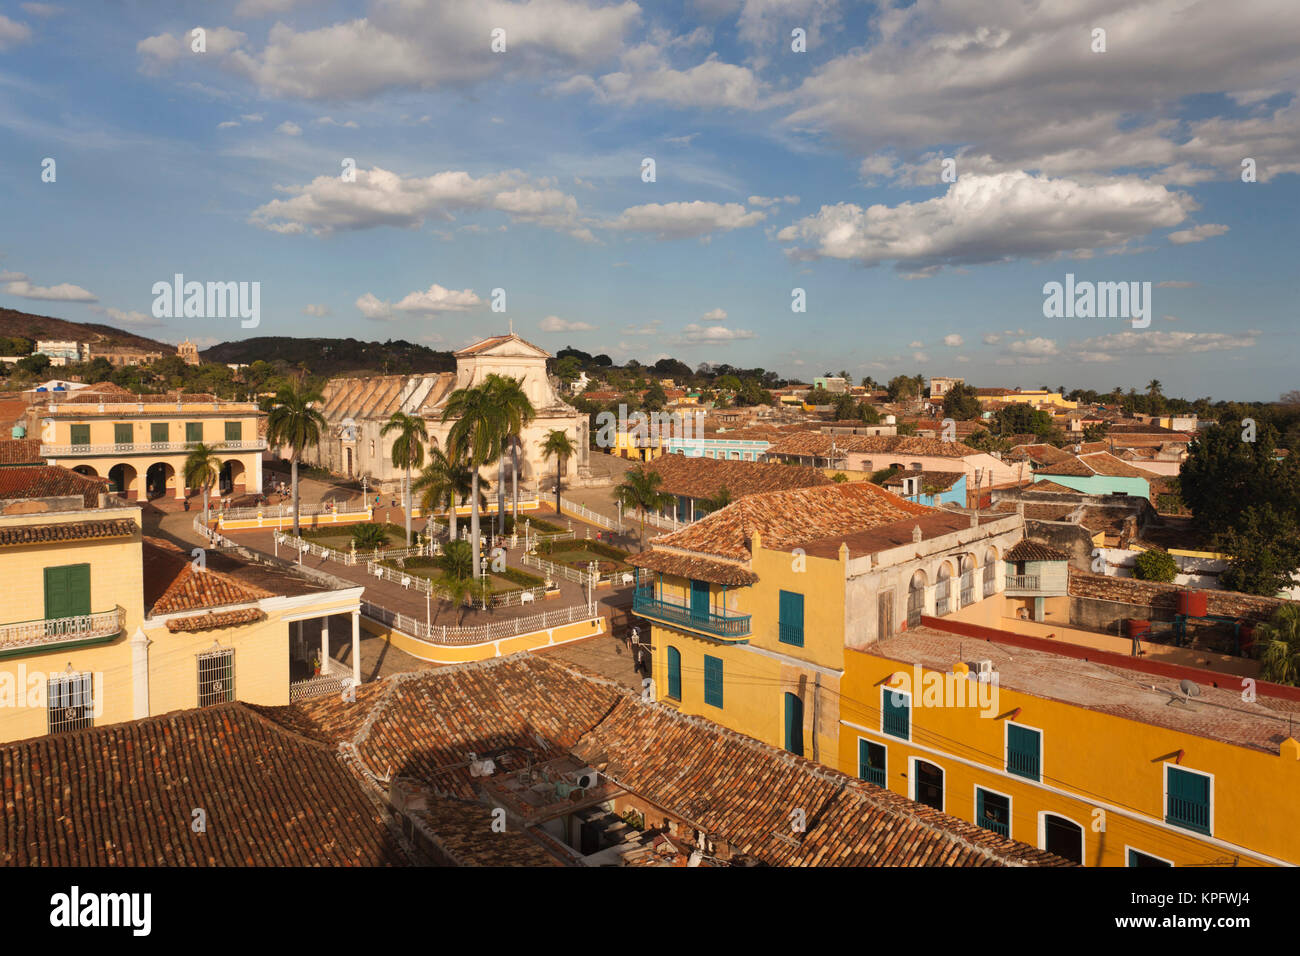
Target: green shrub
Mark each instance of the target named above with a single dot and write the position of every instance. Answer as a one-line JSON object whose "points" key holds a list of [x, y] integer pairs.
{"points": [[368, 536], [1155, 565]]}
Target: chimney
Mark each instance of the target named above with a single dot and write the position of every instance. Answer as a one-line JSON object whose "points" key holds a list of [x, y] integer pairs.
{"points": [[103, 499]]}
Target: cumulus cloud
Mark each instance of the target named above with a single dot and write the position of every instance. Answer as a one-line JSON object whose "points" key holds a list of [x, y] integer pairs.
{"points": [[63, 292], [685, 220], [331, 121], [318, 311], [133, 317], [381, 198], [1104, 348], [289, 128], [436, 300], [647, 78], [553, 323], [992, 338], [988, 219], [1197, 233], [13, 33], [952, 341], [696, 334], [714, 315]]}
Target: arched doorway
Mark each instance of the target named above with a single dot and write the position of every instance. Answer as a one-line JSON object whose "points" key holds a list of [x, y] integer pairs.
{"points": [[990, 572], [158, 479], [123, 477], [967, 579], [927, 787], [87, 471], [916, 599], [942, 590], [1063, 837], [232, 477]]}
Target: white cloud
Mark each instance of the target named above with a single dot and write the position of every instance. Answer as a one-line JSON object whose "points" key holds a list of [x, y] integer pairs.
{"points": [[331, 121], [252, 117], [953, 341], [136, 318], [988, 219], [1167, 343], [372, 307], [434, 301], [685, 220], [381, 198], [13, 276], [918, 344], [227, 124], [920, 357], [647, 78], [695, 334], [650, 328], [63, 292], [715, 315], [318, 311], [289, 128], [992, 338], [763, 202], [553, 323], [12, 32], [1197, 233]]}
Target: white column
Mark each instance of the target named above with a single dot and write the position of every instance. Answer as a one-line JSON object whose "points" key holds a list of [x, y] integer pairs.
{"points": [[324, 642], [356, 648], [140, 674]]}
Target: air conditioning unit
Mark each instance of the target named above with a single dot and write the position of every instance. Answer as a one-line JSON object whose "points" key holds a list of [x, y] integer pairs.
{"points": [[586, 778], [481, 768], [986, 671]]}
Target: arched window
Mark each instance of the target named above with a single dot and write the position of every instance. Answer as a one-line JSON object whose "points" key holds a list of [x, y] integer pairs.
{"points": [[916, 599], [927, 787], [674, 673], [1063, 837], [941, 602], [990, 572], [794, 724]]}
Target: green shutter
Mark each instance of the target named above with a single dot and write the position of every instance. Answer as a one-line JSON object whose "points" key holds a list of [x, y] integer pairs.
{"points": [[794, 724], [1188, 803], [993, 812], [67, 591], [674, 673], [896, 708], [1024, 752], [790, 619], [122, 433], [713, 681], [80, 434], [234, 431], [158, 432], [193, 431], [871, 762]]}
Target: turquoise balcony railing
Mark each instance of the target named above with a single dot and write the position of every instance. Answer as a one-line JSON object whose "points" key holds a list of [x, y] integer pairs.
{"points": [[729, 626]]}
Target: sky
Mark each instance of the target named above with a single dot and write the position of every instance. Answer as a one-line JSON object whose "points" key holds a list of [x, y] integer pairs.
{"points": [[920, 170]]}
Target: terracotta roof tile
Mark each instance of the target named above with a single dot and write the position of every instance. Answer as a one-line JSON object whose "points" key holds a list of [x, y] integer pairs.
{"points": [[172, 584], [1027, 550], [823, 445], [1097, 463], [50, 481], [68, 531], [705, 477], [692, 566], [21, 451], [214, 621]]}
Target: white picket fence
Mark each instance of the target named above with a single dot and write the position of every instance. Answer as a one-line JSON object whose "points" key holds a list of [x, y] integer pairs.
{"points": [[557, 572], [214, 537], [480, 634], [286, 511], [586, 514], [350, 558]]}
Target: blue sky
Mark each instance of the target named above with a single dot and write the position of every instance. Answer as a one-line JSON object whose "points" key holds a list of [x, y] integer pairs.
{"points": [[775, 170]]}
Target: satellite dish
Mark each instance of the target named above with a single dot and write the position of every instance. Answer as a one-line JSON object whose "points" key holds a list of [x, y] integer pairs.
{"points": [[1189, 688]]}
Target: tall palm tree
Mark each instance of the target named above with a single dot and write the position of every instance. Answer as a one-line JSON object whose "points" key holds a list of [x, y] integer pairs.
{"points": [[202, 471], [559, 446], [293, 422], [519, 412], [445, 482], [475, 436], [408, 451], [640, 492]]}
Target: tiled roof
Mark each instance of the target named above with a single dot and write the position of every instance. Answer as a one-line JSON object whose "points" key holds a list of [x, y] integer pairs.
{"points": [[125, 795], [214, 621], [496, 340], [825, 446], [21, 451], [1040, 453], [692, 566], [50, 481], [378, 396], [172, 584], [788, 518], [1160, 596], [1054, 488], [705, 477], [937, 523], [1027, 550], [1097, 463], [528, 708], [943, 480], [68, 531]]}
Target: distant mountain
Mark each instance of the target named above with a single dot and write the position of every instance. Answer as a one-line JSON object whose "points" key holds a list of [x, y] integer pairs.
{"points": [[29, 326], [334, 356]]}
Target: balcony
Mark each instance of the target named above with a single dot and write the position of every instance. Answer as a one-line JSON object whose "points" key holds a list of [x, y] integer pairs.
{"points": [[1022, 584], [727, 627], [146, 448], [84, 628]]}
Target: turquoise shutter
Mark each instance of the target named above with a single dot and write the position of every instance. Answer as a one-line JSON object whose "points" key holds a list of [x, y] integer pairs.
{"points": [[794, 724], [1024, 757], [713, 681], [674, 673], [790, 619], [1189, 800], [895, 708]]}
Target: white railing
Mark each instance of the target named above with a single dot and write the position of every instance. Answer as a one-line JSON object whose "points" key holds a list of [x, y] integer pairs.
{"points": [[161, 408], [59, 630], [283, 511], [557, 571], [586, 514], [659, 521], [143, 448], [331, 683], [213, 536], [480, 634]]}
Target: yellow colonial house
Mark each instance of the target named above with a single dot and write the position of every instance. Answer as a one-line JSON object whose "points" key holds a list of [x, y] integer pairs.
{"points": [[140, 442], [101, 625], [845, 624]]}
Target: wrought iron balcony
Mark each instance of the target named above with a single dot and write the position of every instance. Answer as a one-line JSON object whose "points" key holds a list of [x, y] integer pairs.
{"points": [[729, 627], [16, 638], [146, 448]]}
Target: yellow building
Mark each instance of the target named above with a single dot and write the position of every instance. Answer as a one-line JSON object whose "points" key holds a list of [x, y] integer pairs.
{"points": [[822, 620], [100, 625], [1037, 397], [140, 442]]}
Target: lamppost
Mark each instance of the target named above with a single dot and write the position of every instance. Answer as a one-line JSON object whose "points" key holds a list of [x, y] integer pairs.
{"points": [[591, 583]]}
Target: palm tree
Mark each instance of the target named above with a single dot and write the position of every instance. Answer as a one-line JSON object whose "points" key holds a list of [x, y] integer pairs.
{"points": [[640, 491], [293, 422], [458, 569], [519, 411], [367, 537], [559, 446], [475, 436], [1153, 387], [408, 451], [445, 482], [202, 470], [1278, 643]]}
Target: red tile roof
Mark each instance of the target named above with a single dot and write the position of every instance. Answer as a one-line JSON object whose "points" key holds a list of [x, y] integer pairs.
{"points": [[67, 531], [172, 584], [692, 566], [21, 451], [705, 477], [214, 621], [823, 445], [50, 481], [1097, 463], [125, 795], [1027, 550]]}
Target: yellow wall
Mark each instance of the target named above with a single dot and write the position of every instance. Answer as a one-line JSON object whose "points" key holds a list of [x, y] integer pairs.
{"points": [[464, 653], [1090, 760]]}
